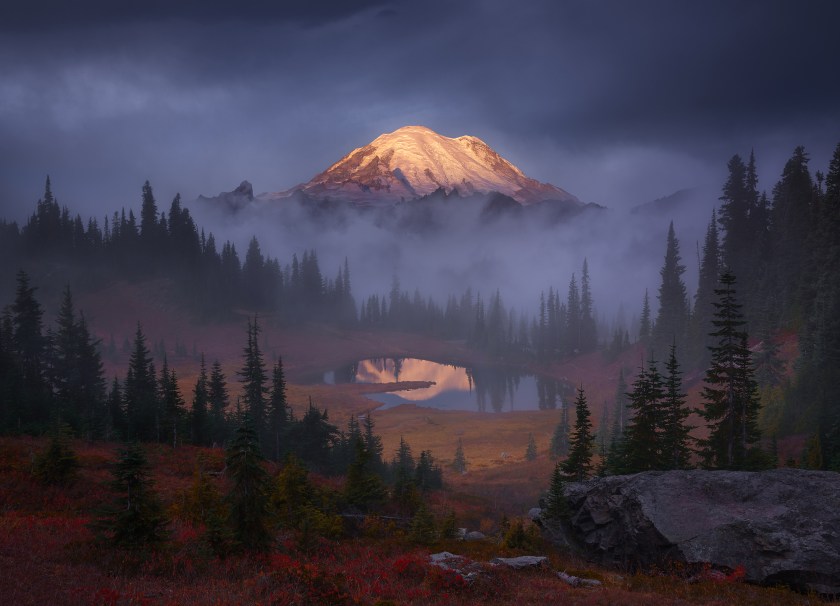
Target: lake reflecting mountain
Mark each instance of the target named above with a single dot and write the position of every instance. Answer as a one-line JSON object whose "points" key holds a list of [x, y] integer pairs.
{"points": [[482, 389]]}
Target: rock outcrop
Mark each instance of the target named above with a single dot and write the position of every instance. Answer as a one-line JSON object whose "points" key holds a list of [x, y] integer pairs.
{"points": [[781, 526]]}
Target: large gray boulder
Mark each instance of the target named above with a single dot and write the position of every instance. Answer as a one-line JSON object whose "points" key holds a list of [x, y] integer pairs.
{"points": [[782, 526]]}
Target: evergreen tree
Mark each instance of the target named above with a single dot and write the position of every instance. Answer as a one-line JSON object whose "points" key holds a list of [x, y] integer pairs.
{"points": [[249, 494], [701, 319], [817, 381], [643, 448], [573, 318], [255, 383], [672, 319], [62, 364], [373, 443], [423, 529], [253, 282], [115, 424], [218, 400], [602, 434], [556, 507], [136, 519], [459, 463], [278, 410], [403, 467], [675, 431], [792, 227], [58, 464], [588, 328], [201, 398], [531, 450], [172, 406], [622, 411], [645, 327], [364, 487], [29, 349], [313, 438], [140, 392], [293, 493], [150, 232], [736, 207], [579, 464], [427, 475], [89, 390], [560, 438], [769, 367], [730, 393]]}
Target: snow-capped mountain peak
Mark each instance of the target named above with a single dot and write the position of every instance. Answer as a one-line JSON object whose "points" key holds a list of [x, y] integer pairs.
{"points": [[415, 161]]}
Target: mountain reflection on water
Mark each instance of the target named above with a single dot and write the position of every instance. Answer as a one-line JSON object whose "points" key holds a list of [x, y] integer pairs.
{"points": [[482, 389]]}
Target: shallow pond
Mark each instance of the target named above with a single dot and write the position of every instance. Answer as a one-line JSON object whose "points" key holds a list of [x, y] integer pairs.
{"points": [[481, 389]]}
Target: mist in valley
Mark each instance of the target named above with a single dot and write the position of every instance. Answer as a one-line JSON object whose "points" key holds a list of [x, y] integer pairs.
{"points": [[445, 245]]}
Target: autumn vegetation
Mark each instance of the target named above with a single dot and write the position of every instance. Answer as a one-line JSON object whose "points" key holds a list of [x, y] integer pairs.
{"points": [[186, 479]]}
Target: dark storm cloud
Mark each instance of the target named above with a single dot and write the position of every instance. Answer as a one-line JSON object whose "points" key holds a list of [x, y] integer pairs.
{"points": [[615, 101], [39, 15]]}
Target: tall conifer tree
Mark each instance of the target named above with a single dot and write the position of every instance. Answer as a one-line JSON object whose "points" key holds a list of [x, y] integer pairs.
{"points": [[140, 393], [672, 319], [730, 394], [579, 464], [255, 382]]}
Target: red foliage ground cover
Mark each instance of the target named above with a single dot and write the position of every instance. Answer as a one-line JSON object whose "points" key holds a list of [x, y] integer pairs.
{"points": [[48, 555]]}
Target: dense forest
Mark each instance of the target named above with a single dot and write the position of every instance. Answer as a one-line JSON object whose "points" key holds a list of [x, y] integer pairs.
{"points": [[779, 252]]}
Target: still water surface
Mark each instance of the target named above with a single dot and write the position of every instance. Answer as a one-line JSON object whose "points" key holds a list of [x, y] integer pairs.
{"points": [[481, 389]]}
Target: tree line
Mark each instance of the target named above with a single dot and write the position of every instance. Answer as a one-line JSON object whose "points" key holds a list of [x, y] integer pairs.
{"points": [[209, 278]]}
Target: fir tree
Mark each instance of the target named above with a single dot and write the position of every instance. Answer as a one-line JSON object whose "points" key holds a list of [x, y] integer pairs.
{"points": [[588, 328], [293, 493], [730, 393], [364, 487], [89, 389], [645, 328], [149, 227], [701, 319], [672, 319], [373, 443], [218, 400], [115, 424], [249, 494], [769, 367], [427, 475], [579, 464], [573, 318], [313, 438], [403, 467], [560, 438], [792, 228], [140, 392], [556, 506], [172, 406], [58, 464], [621, 417], [423, 529], [136, 519], [29, 349], [278, 410], [459, 463], [642, 448], [675, 431], [255, 382], [200, 404], [531, 450], [736, 206]]}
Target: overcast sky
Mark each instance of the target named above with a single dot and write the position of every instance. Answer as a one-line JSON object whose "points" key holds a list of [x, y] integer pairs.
{"points": [[618, 102]]}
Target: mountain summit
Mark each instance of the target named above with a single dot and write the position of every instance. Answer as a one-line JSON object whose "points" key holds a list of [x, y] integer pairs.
{"points": [[415, 161]]}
